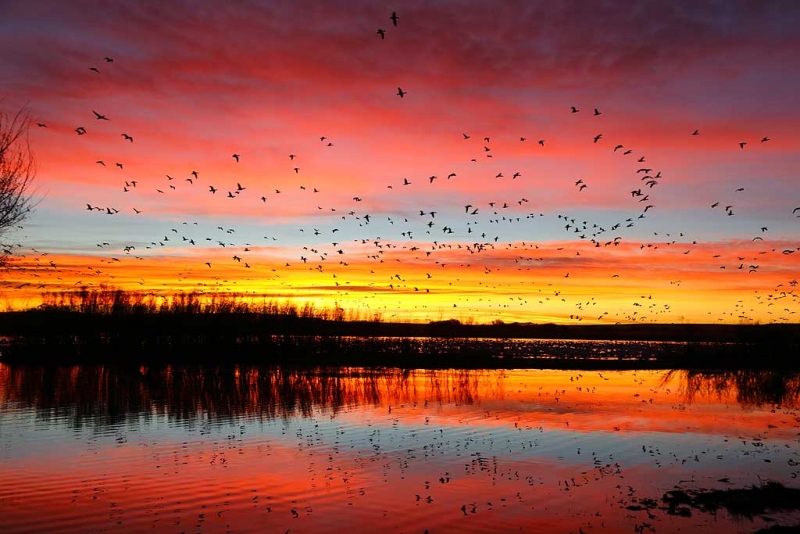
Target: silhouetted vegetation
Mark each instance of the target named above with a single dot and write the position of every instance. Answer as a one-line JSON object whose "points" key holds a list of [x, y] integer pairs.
{"points": [[113, 325], [746, 503]]}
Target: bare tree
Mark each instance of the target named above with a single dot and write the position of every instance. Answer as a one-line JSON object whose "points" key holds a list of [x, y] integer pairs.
{"points": [[17, 171]]}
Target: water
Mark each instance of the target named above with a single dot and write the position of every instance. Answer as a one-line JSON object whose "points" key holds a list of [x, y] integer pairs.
{"points": [[257, 449]]}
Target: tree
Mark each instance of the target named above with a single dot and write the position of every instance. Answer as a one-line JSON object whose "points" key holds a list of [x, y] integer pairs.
{"points": [[17, 171]]}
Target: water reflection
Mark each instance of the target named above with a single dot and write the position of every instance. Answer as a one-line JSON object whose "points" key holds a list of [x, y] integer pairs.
{"points": [[109, 395], [748, 387], [271, 449]]}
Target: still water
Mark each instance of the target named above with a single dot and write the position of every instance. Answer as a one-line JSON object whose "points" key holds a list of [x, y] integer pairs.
{"points": [[257, 449]]}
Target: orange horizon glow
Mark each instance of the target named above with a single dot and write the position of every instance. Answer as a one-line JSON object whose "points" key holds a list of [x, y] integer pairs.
{"points": [[478, 196]]}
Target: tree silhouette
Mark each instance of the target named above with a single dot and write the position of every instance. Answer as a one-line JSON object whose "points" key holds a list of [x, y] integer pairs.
{"points": [[17, 172]]}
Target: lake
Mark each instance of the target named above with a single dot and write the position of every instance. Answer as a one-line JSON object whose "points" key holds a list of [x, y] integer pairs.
{"points": [[92, 448]]}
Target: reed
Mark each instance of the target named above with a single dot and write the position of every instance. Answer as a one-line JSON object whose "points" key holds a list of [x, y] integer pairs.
{"points": [[109, 324]]}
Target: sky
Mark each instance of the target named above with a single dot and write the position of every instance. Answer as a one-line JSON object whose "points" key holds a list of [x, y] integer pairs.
{"points": [[463, 198]]}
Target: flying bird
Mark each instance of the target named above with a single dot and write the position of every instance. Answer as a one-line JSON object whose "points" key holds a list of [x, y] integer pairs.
{"points": [[394, 18], [400, 92], [100, 117], [382, 33], [127, 137], [236, 157], [574, 109]]}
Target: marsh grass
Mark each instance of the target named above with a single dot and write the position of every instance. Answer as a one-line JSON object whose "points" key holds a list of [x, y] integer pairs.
{"points": [[739, 502], [111, 325]]}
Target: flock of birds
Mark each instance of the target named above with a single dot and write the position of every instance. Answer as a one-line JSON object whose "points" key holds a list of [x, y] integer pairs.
{"points": [[472, 238], [473, 451]]}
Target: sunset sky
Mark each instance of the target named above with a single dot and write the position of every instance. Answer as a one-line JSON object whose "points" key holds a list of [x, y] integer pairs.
{"points": [[193, 83]]}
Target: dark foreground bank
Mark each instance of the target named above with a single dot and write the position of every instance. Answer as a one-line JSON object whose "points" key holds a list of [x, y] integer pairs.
{"points": [[60, 336]]}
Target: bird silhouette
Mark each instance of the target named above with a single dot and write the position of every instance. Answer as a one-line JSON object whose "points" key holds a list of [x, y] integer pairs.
{"points": [[401, 93], [394, 18]]}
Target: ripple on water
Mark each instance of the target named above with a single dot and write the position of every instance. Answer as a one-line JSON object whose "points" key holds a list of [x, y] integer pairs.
{"points": [[398, 451]]}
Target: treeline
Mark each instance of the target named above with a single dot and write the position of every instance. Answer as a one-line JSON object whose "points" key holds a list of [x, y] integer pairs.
{"points": [[113, 324]]}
